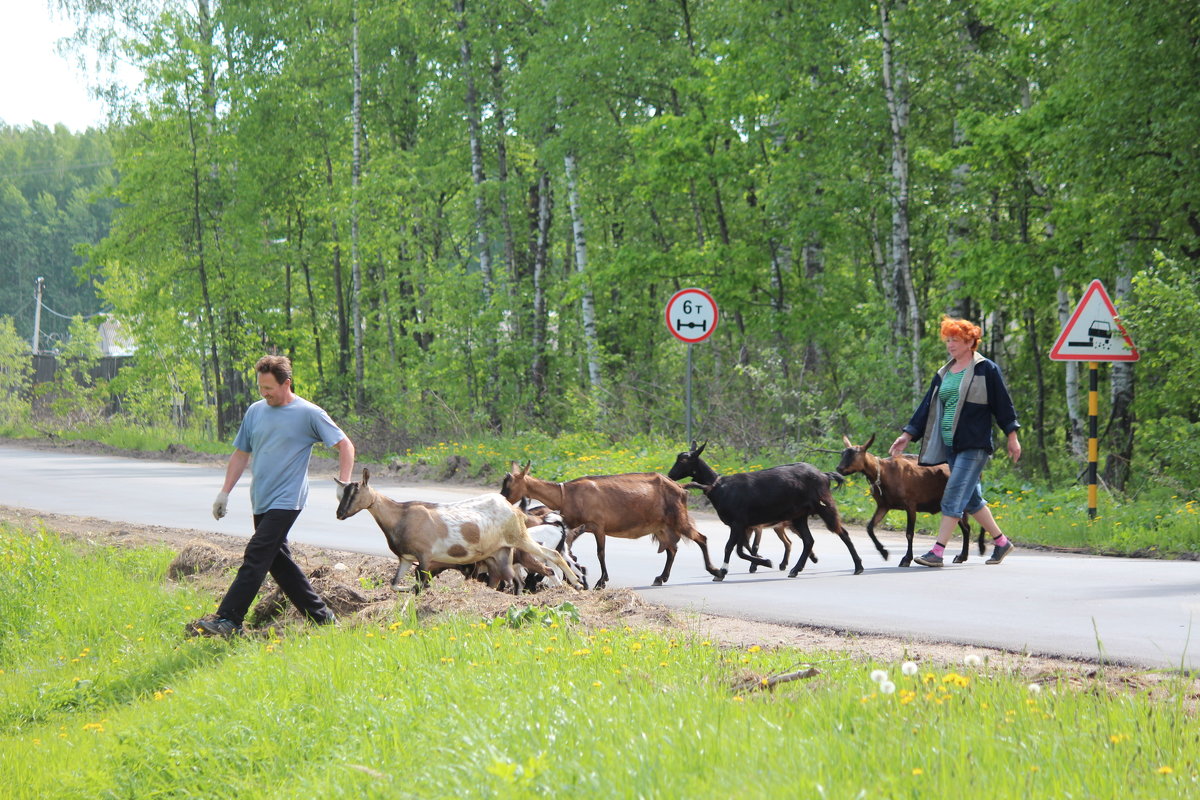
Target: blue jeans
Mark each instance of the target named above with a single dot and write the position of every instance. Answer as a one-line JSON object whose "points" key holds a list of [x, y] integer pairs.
{"points": [[963, 494]]}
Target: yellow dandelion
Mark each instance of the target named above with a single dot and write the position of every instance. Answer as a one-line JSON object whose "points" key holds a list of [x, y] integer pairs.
{"points": [[738, 699], [408, 632], [918, 771], [1165, 770], [753, 648], [583, 651], [597, 684]]}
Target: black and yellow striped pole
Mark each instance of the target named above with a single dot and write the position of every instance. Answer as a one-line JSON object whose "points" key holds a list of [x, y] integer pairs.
{"points": [[1093, 442], [1094, 334]]}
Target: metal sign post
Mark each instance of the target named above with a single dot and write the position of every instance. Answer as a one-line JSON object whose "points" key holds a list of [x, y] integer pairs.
{"points": [[691, 317], [1093, 334]]}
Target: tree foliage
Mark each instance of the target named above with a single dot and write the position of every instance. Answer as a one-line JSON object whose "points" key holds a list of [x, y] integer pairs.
{"points": [[746, 147]]}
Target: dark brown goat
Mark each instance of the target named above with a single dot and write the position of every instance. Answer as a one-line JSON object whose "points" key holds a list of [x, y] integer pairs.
{"points": [[901, 484], [629, 506]]}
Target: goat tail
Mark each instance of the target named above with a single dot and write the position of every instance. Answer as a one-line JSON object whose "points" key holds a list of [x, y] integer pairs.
{"points": [[835, 478]]}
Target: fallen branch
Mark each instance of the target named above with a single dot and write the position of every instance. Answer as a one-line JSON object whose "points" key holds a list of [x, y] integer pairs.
{"points": [[770, 683]]}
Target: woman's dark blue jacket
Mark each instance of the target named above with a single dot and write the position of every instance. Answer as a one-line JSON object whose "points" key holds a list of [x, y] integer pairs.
{"points": [[982, 396]]}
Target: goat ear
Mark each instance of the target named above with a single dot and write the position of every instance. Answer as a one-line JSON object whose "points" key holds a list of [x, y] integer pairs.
{"points": [[525, 469], [868, 444], [846, 439], [512, 466], [366, 476], [696, 452]]}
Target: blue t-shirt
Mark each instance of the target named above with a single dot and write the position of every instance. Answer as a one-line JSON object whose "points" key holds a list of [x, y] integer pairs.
{"points": [[280, 440]]}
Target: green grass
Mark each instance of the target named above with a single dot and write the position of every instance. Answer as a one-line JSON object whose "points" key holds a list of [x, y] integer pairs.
{"points": [[101, 697]]}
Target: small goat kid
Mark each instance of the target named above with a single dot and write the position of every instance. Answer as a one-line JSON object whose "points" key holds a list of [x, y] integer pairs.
{"points": [[441, 535], [901, 484], [791, 492], [629, 506]]}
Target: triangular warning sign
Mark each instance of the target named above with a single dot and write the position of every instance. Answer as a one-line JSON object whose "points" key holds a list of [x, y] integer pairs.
{"points": [[1094, 333]]}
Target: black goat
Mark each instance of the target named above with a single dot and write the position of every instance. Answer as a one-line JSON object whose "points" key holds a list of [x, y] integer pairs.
{"points": [[792, 492]]}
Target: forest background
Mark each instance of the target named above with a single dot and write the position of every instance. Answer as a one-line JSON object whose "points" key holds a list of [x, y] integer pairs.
{"points": [[462, 219]]}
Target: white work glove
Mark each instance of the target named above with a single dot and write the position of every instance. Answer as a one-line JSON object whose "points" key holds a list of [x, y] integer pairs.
{"points": [[220, 505]]}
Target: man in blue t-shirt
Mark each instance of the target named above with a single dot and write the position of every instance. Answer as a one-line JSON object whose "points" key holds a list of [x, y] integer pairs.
{"points": [[279, 431]]}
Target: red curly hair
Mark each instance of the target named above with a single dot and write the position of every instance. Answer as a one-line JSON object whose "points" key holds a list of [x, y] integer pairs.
{"points": [[961, 329]]}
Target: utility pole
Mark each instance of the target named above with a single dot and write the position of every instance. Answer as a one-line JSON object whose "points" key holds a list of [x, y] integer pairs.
{"points": [[37, 316]]}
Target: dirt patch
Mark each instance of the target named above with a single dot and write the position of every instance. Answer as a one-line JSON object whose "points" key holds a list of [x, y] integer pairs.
{"points": [[356, 586]]}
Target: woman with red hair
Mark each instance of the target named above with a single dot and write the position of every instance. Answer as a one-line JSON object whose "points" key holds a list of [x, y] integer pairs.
{"points": [[955, 421]]}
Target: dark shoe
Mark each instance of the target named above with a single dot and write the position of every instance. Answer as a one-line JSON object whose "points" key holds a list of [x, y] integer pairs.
{"points": [[999, 553], [930, 559], [219, 627]]}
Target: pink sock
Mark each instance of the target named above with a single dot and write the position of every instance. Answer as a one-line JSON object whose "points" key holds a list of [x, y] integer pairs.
{"points": [[938, 549], [1001, 540]]}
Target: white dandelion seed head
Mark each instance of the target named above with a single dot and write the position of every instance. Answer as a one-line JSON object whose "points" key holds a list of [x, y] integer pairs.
{"points": [[878, 675], [887, 687], [972, 660], [1035, 688], [909, 668]]}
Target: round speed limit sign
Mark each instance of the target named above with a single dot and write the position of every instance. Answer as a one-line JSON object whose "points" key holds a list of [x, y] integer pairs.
{"points": [[691, 315]]}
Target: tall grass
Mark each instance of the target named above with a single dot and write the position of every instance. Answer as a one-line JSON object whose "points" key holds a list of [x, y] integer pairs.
{"points": [[102, 698]]}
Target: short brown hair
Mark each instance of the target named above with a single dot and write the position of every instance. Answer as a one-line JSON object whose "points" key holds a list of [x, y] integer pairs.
{"points": [[279, 366]]}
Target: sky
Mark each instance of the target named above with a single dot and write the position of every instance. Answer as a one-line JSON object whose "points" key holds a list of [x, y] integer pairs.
{"points": [[37, 83]]}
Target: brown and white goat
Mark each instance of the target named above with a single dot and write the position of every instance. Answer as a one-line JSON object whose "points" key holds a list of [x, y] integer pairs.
{"points": [[441, 535], [901, 484], [628, 505]]}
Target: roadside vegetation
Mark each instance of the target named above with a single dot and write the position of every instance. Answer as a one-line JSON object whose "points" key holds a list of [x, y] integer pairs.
{"points": [[114, 702]]}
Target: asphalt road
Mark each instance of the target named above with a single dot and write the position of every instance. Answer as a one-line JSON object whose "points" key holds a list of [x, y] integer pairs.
{"points": [[1128, 611]]}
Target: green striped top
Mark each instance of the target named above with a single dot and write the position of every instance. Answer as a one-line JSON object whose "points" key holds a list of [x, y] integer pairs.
{"points": [[948, 394]]}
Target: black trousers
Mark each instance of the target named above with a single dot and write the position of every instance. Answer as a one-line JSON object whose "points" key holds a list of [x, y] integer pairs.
{"points": [[267, 552]]}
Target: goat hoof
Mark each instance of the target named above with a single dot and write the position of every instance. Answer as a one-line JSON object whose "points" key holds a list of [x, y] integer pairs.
{"points": [[906, 561], [793, 573], [658, 581], [720, 576], [884, 553], [959, 559], [754, 567], [858, 570]]}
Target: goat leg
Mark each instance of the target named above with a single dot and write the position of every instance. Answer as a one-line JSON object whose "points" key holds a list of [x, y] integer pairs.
{"points": [[966, 548], [801, 527], [666, 573], [401, 571], [910, 525]]}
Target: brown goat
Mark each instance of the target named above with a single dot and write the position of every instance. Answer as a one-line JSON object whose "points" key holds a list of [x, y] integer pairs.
{"points": [[440, 535], [901, 484], [628, 506]]}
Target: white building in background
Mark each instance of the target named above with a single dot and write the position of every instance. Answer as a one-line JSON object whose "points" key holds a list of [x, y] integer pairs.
{"points": [[113, 339]]}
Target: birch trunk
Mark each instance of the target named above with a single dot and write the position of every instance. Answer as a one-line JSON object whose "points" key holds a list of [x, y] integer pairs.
{"points": [[895, 87], [492, 382], [355, 180], [1075, 436], [540, 254], [588, 306], [1120, 442]]}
